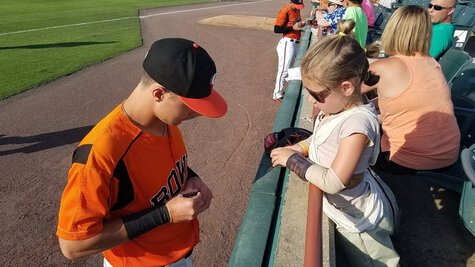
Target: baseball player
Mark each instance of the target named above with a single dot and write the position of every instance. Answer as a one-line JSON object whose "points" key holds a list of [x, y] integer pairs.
{"points": [[288, 23], [130, 193]]}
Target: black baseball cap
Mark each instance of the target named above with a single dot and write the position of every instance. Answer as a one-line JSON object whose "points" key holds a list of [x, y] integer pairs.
{"points": [[186, 69], [298, 4]]}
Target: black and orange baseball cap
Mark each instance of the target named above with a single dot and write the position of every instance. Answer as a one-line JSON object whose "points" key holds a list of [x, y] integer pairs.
{"points": [[186, 69], [298, 4]]}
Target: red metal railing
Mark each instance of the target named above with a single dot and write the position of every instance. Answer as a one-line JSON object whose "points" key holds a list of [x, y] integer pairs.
{"points": [[313, 238]]}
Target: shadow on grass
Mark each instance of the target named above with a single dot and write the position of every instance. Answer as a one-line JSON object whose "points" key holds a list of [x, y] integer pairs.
{"points": [[66, 44], [44, 141]]}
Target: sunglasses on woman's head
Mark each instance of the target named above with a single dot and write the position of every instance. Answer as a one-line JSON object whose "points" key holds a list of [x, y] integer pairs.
{"points": [[320, 96], [437, 7]]}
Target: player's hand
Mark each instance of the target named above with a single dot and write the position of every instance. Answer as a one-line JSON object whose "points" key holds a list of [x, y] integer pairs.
{"points": [[184, 209], [297, 25], [196, 184], [280, 156]]}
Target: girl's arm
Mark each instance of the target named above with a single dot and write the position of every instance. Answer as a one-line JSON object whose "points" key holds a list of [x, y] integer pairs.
{"points": [[348, 156], [331, 180]]}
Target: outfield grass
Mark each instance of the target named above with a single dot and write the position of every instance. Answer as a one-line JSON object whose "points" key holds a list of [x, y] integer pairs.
{"points": [[32, 58]]}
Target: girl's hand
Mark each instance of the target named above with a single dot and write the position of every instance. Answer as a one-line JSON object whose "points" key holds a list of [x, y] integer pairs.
{"points": [[280, 156]]}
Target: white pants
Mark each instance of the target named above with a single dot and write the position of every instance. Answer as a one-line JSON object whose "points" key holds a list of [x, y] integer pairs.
{"points": [[186, 262], [286, 50]]}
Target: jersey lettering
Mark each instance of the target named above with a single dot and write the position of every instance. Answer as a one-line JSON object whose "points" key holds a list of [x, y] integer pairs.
{"points": [[175, 181]]}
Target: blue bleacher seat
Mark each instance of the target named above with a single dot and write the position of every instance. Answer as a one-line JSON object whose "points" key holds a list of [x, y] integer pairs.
{"points": [[464, 22], [467, 202], [382, 18], [463, 97], [452, 62]]}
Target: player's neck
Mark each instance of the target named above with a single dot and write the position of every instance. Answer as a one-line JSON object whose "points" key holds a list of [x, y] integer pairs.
{"points": [[142, 116]]}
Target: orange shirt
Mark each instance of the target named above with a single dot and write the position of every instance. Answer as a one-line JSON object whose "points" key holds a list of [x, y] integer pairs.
{"points": [[419, 127], [287, 17], [119, 170]]}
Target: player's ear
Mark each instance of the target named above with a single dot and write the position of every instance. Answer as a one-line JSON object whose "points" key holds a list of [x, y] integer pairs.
{"points": [[158, 93]]}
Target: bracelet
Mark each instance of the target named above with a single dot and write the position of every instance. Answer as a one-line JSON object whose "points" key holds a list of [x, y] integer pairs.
{"points": [[304, 147]]}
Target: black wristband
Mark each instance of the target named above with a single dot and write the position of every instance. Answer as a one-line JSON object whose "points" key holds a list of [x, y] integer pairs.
{"points": [[191, 173], [299, 165], [143, 221]]}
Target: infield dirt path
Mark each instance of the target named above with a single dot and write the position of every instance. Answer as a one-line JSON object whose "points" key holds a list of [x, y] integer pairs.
{"points": [[40, 129]]}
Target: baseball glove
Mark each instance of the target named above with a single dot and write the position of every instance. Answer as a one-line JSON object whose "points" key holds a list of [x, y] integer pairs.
{"points": [[286, 137]]}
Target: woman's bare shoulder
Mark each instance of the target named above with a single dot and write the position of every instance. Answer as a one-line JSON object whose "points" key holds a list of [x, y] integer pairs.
{"points": [[393, 75], [387, 65]]}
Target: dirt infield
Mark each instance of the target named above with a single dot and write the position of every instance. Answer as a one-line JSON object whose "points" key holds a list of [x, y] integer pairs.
{"points": [[40, 128]]}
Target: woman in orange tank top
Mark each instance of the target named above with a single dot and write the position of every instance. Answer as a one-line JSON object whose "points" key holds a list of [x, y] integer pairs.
{"points": [[420, 131]]}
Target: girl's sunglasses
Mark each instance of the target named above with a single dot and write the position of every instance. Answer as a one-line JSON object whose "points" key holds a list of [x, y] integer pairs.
{"points": [[320, 96], [437, 7]]}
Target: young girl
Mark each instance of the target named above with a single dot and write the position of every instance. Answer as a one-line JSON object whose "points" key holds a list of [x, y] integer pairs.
{"points": [[344, 144]]}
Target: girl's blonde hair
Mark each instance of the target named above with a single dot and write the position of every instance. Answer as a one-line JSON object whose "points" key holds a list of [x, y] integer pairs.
{"points": [[409, 30], [336, 59]]}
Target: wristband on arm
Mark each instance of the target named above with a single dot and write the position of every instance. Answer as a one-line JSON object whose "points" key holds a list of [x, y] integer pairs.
{"points": [[191, 173], [143, 221], [282, 29], [299, 165]]}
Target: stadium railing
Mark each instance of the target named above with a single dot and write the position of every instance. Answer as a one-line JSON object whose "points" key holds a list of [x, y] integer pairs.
{"points": [[256, 242]]}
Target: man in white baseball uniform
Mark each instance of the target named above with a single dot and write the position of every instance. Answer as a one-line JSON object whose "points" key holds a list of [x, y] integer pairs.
{"points": [[288, 23]]}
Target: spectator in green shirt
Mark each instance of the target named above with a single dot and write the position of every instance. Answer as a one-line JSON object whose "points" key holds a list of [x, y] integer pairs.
{"points": [[356, 13], [442, 29]]}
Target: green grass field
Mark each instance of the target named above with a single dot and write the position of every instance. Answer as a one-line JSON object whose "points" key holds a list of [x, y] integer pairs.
{"points": [[29, 59]]}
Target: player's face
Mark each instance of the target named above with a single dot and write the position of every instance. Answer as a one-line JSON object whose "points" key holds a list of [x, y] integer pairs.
{"points": [[176, 111], [327, 100]]}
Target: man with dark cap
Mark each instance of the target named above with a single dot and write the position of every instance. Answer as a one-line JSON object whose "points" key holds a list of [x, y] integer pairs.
{"points": [[130, 193]]}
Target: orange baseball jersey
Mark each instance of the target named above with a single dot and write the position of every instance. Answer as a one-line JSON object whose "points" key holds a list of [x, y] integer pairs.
{"points": [[119, 170], [286, 17]]}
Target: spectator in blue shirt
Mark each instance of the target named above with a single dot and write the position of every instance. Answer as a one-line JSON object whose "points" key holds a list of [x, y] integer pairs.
{"points": [[335, 14]]}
